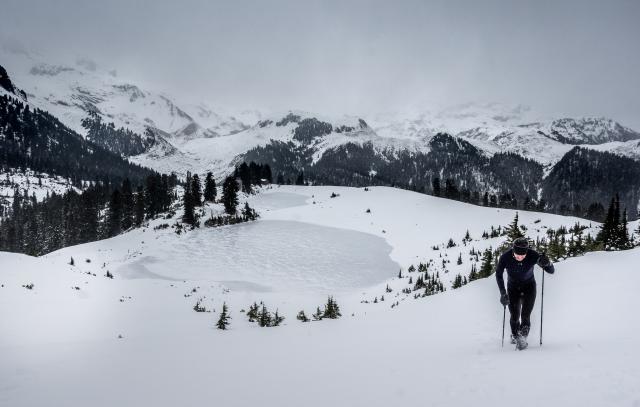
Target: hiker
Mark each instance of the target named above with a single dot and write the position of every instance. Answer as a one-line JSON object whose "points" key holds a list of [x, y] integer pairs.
{"points": [[520, 294]]}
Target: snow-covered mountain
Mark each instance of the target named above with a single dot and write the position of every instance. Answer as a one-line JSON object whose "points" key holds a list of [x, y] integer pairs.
{"points": [[71, 91], [498, 128], [545, 142], [196, 137]]}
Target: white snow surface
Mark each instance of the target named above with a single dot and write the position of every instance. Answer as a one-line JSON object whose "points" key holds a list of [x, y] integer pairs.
{"points": [[61, 345]]}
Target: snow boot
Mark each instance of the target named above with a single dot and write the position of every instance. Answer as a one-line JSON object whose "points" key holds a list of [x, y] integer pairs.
{"points": [[513, 339], [521, 338]]}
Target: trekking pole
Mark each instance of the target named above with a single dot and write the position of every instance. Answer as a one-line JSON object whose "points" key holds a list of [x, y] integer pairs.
{"points": [[542, 306], [504, 314]]}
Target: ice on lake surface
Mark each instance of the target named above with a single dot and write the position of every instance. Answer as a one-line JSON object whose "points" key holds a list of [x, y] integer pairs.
{"points": [[270, 255], [277, 200]]}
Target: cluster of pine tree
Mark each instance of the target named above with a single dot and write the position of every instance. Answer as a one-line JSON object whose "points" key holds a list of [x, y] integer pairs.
{"points": [[487, 266], [614, 234], [262, 316], [430, 282], [252, 174], [247, 214], [192, 197], [100, 211], [459, 281], [331, 311]]}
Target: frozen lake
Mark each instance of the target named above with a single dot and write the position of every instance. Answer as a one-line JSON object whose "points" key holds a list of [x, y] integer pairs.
{"points": [[270, 255]]}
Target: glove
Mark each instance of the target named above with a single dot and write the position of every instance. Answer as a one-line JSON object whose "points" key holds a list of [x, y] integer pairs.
{"points": [[543, 260], [504, 299]]}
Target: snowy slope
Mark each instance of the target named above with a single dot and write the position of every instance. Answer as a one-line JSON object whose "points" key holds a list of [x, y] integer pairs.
{"points": [[63, 346]]}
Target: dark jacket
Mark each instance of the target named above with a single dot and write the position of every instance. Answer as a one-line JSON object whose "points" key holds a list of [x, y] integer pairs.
{"points": [[519, 272]]}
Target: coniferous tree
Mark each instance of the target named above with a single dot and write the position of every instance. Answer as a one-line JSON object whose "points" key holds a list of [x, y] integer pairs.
{"points": [[623, 241], [248, 213], [243, 172], [128, 205], [196, 190], [210, 190], [435, 184], [230, 195], [277, 319], [318, 315], [189, 216], [331, 309], [266, 173], [139, 206], [88, 213], [450, 189], [115, 214], [513, 230], [457, 282], [610, 234], [302, 316], [223, 321], [151, 194], [473, 275], [486, 269], [264, 317], [252, 314]]}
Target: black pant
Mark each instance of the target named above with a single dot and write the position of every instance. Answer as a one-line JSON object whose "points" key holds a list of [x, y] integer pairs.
{"points": [[521, 300]]}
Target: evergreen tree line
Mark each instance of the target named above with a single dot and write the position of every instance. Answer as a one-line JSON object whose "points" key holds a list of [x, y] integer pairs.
{"points": [[430, 283], [102, 210]]}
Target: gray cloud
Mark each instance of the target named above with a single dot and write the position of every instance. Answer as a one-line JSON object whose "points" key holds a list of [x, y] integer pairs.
{"points": [[561, 57]]}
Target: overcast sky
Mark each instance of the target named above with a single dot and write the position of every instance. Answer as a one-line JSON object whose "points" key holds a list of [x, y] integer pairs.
{"points": [[357, 57]]}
